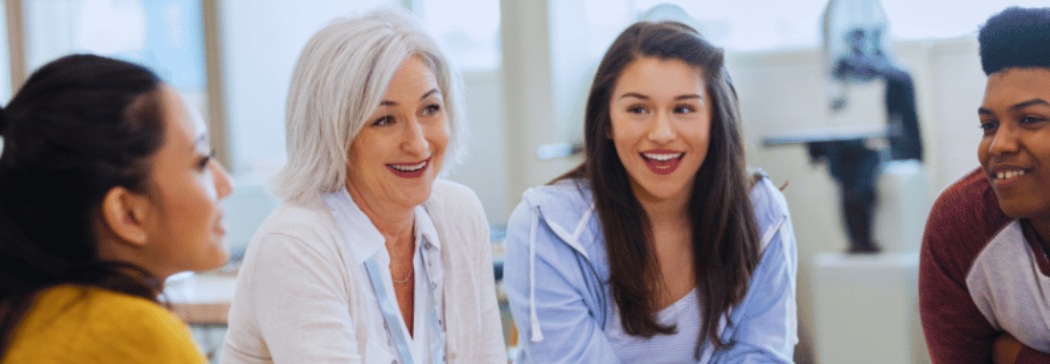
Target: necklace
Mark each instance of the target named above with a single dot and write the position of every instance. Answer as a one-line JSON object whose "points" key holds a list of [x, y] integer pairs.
{"points": [[407, 277]]}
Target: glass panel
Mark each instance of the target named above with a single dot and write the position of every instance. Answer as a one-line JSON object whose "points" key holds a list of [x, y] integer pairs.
{"points": [[164, 35], [737, 25], [468, 28]]}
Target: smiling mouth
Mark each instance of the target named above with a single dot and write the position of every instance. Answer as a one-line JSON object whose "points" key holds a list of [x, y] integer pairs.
{"points": [[409, 170], [662, 163], [1009, 174]]}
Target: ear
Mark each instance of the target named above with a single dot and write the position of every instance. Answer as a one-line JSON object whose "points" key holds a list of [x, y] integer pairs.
{"points": [[124, 213]]}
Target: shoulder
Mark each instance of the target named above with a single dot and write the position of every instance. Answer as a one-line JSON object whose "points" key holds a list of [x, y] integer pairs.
{"points": [[453, 206], [308, 222], [964, 219], [103, 323], [771, 212], [311, 213], [95, 303], [967, 201], [132, 315], [448, 196], [562, 204], [768, 202]]}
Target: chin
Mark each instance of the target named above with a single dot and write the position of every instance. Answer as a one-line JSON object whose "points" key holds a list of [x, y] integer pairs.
{"points": [[1017, 209], [217, 257]]}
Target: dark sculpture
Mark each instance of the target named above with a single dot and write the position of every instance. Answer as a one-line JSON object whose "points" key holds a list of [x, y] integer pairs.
{"points": [[852, 164]]}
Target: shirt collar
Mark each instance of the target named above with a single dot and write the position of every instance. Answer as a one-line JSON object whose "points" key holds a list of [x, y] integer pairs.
{"points": [[362, 237], [425, 229], [364, 240]]}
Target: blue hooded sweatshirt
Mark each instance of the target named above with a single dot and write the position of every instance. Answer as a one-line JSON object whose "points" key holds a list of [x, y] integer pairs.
{"points": [[557, 281]]}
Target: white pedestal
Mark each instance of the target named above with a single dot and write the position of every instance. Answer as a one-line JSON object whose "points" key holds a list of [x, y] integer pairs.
{"points": [[900, 215], [866, 308]]}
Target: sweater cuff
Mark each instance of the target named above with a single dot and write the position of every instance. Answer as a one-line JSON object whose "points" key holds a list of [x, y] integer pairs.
{"points": [[1031, 356]]}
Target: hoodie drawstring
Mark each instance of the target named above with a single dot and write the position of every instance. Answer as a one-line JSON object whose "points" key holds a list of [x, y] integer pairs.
{"points": [[537, 334]]}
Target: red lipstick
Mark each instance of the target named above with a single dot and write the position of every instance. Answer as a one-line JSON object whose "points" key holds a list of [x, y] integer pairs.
{"points": [[409, 170], [662, 162]]}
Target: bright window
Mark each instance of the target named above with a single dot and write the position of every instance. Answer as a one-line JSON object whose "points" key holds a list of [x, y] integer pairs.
{"points": [[163, 35], [469, 29], [754, 25]]}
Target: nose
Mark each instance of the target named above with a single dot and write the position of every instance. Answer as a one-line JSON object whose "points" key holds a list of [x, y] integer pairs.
{"points": [[1005, 141], [415, 141], [661, 131], [223, 181]]}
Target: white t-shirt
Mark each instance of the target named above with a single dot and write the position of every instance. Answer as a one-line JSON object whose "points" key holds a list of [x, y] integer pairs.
{"points": [[674, 348]]}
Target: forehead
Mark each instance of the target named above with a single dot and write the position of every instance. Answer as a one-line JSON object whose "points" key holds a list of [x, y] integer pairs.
{"points": [[660, 76], [184, 127], [1014, 85], [412, 78]]}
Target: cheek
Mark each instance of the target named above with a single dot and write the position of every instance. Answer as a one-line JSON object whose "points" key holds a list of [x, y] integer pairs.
{"points": [[982, 150], [365, 153], [439, 135]]}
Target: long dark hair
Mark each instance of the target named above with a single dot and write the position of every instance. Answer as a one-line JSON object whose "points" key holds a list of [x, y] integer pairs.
{"points": [[80, 126], [725, 234]]}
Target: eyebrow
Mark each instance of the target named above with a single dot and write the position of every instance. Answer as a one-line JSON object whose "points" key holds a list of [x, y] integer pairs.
{"points": [[1029, 103], [1018, 106], [394, 103], [643, 97], [202, 140]]}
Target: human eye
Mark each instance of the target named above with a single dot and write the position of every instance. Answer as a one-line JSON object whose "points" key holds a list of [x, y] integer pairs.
{"points": [[1031, 119], [383, 120], [202, 162], [684, 109], [637, 109], [989, 126], [432, 109]]}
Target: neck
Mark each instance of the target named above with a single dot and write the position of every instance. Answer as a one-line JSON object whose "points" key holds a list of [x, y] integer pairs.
{"points": [[394, 222], [1042, 231], [111, 247], [111, 250], [664, 211]]}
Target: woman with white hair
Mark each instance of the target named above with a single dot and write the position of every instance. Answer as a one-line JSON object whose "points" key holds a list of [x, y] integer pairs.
{"points": [[370, 258]]}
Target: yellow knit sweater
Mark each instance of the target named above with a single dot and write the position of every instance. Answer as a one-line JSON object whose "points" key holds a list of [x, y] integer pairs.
{"points": [[69, 324]]}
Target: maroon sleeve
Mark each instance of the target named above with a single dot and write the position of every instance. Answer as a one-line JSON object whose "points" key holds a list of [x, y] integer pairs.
{"points": [[1031, 356], [962, 221]]}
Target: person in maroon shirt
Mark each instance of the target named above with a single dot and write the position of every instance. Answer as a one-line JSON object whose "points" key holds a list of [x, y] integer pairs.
{"points": [[984, 283]]}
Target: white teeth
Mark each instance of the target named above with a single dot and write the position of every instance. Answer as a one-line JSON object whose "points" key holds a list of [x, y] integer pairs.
{"points": [[410, 168], [1009, 174], [662, 157]]}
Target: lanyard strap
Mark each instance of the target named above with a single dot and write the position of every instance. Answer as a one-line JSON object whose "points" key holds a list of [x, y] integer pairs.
{"points": [[390, 315]]}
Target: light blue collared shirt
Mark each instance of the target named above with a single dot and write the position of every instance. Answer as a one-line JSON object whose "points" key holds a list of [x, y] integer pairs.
{"points": [[365, 241]]}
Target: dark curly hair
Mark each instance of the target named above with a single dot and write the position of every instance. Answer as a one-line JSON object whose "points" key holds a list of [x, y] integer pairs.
{"points": [[1015, 37]]}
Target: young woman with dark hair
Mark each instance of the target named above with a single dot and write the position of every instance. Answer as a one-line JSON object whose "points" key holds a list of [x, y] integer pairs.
{"points": [[658, 247], [106, 189]]}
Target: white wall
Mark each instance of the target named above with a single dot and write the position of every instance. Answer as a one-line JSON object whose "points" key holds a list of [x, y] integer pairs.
{"points": [[485, 169], [786, 91]]}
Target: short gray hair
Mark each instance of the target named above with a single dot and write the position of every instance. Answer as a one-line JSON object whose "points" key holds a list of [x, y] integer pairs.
{"points": [[339, 81]]}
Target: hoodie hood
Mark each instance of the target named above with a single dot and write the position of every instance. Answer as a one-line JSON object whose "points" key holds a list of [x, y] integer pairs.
{"points": [[568, 210]]}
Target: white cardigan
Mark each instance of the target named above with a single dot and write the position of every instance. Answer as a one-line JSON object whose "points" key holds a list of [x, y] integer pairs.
{"points": [[298, 271]]}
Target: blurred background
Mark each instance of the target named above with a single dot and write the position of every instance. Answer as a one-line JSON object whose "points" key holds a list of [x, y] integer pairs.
{"points": [[527, 66]]}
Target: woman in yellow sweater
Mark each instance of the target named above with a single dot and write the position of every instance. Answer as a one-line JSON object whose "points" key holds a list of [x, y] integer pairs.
{"points": [[106, 189]]}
